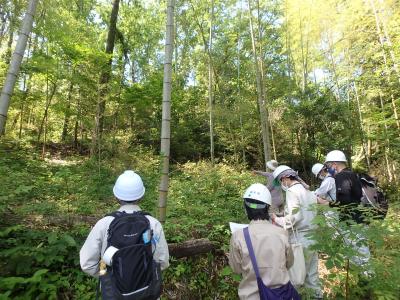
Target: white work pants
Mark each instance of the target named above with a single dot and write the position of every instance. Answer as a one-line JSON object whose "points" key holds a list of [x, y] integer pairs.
{"points": [[311, 260]]}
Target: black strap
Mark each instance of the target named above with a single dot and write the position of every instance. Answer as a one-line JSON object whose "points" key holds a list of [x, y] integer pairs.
{"points": [[118, 213]]}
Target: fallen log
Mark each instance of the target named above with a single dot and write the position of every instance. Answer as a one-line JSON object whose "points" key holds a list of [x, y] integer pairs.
{"points": [[191, 248]]}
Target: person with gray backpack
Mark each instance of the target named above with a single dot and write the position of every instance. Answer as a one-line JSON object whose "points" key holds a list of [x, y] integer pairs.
{"points": [[127, 249]]}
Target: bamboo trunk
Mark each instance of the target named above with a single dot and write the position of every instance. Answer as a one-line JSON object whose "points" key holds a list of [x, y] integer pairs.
{"points": [[166, 111], [210, 85], [15, 63]]}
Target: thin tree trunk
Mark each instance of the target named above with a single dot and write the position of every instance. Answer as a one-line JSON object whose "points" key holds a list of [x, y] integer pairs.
{"points": [[26, 88], [304, 58], [396, 116], [387, 38], [273, 140], [45, 137], [3, 17], [67, 113], [335, 76], [239, 91], [15, 63], [210, 85], [387, 70], [261, 100], [77, 119], [364, 144], [166, 111], [7, 55], [49, 98], [104, 79], [26, 92], [268, 125], [387, 143]]}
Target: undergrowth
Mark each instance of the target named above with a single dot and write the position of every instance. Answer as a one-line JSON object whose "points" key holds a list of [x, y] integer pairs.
{"points": [[40, 236]]}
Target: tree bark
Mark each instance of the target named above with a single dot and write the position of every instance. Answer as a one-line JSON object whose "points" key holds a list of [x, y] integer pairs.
{"points": [[166, 111], [363, 141], [67, 113], [15, 63], [49, 98], [261, 99], [263, 87], [104, 79]]}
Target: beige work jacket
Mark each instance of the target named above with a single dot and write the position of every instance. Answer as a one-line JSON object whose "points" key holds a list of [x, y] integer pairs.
{"points": [[273, 254]]}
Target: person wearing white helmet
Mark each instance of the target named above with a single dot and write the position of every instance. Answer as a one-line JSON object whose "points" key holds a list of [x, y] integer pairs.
{"points": [[298, 220], [271, 247], [348, 186], [128, 191], [348, 199], [326, 192], [276, 191]]}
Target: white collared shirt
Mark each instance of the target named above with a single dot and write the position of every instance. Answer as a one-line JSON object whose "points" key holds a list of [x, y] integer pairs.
{"points": [[96, 243], [327, 189]]}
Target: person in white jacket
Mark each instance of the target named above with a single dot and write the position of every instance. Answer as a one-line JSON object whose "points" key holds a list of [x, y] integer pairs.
{"points": [[327, 189], [298, 218], [128, 190]]}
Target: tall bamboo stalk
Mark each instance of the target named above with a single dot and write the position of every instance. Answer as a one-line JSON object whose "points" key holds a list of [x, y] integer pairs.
{"points": [[15, 63], [166, 111], [210, 85]]}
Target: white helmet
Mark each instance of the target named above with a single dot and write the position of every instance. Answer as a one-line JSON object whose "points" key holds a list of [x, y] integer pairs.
{"points": [[279, 170], [317, 168], [272, 164], [335, 155], [129, 186], [259, 192]]}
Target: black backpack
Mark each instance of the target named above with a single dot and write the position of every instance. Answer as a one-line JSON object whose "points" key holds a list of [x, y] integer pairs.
{"points": [[373, 198], [133, 274]]}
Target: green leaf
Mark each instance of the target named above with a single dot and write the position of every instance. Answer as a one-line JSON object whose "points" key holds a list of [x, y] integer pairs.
{"points": [[70, 240], [226, 271], [38, 275]]}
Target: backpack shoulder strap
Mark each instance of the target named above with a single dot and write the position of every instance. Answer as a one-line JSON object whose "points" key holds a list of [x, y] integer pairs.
{"points": [[251, 251], [116, 214]]}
